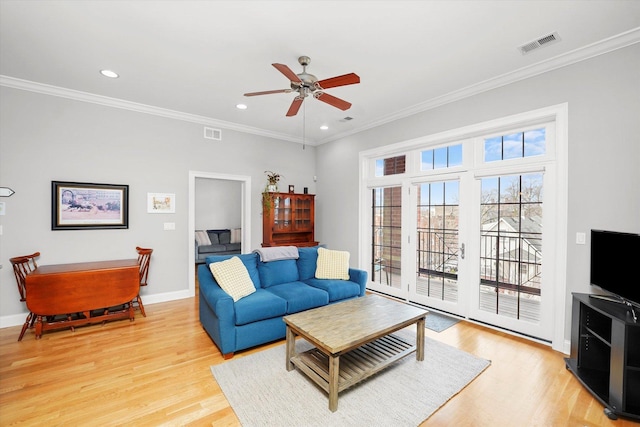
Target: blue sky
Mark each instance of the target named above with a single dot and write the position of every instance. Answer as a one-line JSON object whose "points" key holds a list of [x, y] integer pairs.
{"points": [[511, 146]]}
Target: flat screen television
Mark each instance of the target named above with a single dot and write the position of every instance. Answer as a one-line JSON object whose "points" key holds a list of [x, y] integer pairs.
{"points": [[615, 264]]}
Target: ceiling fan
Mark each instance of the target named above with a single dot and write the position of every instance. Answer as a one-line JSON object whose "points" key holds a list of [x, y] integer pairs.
{"points": [[305, 84]]}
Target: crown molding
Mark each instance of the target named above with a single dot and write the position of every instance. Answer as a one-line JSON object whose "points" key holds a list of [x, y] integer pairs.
{"points": [[610, 44], [602, 47], [77, 95]]}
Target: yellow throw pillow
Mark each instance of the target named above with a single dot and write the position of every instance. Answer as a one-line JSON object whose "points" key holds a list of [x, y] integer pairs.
{"points": [[332, 264], [233, 277]]}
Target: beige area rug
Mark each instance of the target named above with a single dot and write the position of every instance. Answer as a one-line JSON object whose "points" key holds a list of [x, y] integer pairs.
{"points": [[262, 392]]}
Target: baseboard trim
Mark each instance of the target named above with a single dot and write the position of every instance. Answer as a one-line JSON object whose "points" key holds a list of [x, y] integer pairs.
{"points": [[18, 319]]}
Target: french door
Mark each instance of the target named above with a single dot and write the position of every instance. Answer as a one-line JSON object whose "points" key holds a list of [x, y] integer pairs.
{"points": [[437, 245], [467, 237]]}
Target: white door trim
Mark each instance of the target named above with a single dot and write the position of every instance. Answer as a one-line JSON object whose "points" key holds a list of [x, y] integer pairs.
{"points": [[245, 220]]}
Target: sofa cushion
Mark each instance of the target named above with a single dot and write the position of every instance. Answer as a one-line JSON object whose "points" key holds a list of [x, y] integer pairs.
{"points": [[332, 264], [213, 237], [233, 247], [202, 238], [225, 237], [300, 296], [337, 289], [277, 272], [260, 305], [233, 277], [250, 261], [207, 249], [307, 261]]}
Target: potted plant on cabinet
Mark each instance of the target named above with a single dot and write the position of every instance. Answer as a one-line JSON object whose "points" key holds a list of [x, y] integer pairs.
{"points": [[271, 187]]}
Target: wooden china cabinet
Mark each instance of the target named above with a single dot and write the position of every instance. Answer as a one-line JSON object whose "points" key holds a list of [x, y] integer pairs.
{"points": [[288, 220]]}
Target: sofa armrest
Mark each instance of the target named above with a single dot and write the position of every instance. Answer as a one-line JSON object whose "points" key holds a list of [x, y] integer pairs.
{"points": [[220, 302], [359, 277], [217, 311]]}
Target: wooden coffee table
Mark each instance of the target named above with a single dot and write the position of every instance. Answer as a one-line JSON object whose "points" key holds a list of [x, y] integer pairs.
{"points": [[352, 341]]}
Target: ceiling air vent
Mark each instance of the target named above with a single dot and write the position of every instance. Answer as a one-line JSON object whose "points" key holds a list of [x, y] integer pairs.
{"points": [[346, 119], [211, 133], [541, 42]]}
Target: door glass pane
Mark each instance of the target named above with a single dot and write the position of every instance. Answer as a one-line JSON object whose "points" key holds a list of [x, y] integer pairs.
{"points": [[437, 246], [386, 209], [511, 246]]}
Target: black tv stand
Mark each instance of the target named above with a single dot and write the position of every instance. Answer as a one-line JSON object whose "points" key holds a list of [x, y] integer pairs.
{"points": [[605, 353], [618, 300]]}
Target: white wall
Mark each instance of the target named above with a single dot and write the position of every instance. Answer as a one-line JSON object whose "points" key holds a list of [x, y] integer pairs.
{"points": [[218, 204], [45, 138], [603, 96]]}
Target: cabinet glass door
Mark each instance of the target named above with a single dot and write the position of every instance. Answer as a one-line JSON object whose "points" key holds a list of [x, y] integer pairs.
{"points": [[302, 206], [282, 213]]}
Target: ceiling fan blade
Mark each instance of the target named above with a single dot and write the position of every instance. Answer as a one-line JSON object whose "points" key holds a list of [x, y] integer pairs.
{"points": [[287, 72], [268, 92], [295, 106], [332, 100], [346, 79]]}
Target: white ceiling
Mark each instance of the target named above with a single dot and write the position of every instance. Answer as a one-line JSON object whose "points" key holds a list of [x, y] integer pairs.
{"points": [[195, 59]]}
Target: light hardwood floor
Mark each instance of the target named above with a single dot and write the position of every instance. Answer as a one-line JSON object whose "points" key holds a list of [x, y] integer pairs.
{"points": [[155, 371]]}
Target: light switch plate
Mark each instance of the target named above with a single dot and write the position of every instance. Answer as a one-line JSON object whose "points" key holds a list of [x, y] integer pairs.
{"points": [[581, 238], [169, 226]]}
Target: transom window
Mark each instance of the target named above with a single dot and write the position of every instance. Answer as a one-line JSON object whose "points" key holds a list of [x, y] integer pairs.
{"points": [[440, 158], [515, 146], [391, 165]]}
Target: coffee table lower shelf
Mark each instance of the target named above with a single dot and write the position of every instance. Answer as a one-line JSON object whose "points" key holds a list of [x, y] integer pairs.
{"points": [[355, 365]]}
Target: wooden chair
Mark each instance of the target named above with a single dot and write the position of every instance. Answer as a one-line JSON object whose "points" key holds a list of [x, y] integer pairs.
{"points": [[23, 265], [144, 257]]}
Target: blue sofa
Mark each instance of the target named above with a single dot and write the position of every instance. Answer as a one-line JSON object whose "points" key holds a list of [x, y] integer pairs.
{"points": [[282, 287]]}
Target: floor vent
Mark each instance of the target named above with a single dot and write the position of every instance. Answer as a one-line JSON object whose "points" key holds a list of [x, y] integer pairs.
{"points": [[211, 133], [541, 42]]}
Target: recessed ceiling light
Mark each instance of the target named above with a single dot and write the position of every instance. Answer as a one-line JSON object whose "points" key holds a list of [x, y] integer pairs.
{"points": [[241, 107], [324, 127], [109, 73]]}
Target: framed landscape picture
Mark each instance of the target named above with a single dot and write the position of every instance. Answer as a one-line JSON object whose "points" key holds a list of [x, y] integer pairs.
{"points": [[85, 206]]}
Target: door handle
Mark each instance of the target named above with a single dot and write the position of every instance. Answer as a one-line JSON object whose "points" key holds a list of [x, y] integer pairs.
{"points": [[462, 251]]}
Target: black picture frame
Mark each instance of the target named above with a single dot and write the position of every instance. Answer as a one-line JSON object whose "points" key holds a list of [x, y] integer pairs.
{"points": [[89, 206], [291, 189]]}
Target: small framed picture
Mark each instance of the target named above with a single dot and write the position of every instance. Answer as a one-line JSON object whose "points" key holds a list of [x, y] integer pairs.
{"points": [[291, 189], [161, 203]]}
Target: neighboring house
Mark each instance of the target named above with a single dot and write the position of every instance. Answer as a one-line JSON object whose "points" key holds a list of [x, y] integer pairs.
{"points": [[511, 253]]}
